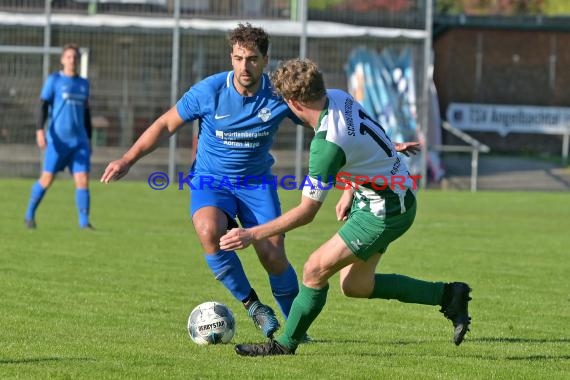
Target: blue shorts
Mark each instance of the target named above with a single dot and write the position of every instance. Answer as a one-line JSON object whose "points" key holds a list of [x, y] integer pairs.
{"points": [[77, 159], [251, 206]]}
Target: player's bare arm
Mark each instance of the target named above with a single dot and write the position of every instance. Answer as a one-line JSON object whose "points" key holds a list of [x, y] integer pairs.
{"points": [[41, 138], [240, 238], [408, 148], [163, 127]]}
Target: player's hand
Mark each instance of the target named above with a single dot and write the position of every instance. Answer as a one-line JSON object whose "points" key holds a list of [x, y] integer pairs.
{"points": [[344, 204], [115, 171], [236, 238], [407, 148], [41, 138]]}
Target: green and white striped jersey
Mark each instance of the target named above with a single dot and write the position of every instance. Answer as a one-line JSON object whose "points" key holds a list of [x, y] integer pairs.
{"points": [[350, 147]]}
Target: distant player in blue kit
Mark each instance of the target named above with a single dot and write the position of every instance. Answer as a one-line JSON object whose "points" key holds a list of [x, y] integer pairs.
{"points": [[239, 115], [64, 98]]}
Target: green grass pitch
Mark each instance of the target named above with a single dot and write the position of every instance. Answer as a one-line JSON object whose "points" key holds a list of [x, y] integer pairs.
{"points": [[114, 303]]}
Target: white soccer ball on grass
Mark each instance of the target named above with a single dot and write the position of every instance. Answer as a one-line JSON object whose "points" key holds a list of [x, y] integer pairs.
{"points": [[211, 323]]}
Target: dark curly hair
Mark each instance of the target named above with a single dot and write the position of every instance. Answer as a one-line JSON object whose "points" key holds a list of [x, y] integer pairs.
{"points": [[249, 37]]}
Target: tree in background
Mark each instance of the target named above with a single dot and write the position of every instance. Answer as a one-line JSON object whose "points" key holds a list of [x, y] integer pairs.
{"points": [[363, 5], [557, 7], [503, 7], [376, 5], [323, 4]]}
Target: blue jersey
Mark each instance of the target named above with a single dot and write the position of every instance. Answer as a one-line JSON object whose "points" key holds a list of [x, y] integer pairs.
{"points": [[68, 99], [236, 131]]}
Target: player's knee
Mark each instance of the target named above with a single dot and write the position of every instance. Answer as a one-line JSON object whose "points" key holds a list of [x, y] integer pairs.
{"points": [[46, 184], [82, 183], [46, 180], [209, 234], [314, 275]]}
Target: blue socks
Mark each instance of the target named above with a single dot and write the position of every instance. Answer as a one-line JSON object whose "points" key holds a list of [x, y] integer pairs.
{"points": [[35, 198], [285, 288], [82, 201], [226, 267]]}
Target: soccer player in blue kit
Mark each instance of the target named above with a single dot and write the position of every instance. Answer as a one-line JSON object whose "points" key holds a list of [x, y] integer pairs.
{"points": [[67, 143], [239, 115]]}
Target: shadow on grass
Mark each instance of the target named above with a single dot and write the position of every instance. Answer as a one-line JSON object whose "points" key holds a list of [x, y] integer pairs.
{"points": [[539, 357], [369, 342], [403, 342], [368, 350], [481, 340], [41, 360], [519, 340]]}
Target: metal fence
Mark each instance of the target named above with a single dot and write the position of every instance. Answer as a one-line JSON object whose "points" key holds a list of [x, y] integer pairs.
{"points": [[144, 54]]}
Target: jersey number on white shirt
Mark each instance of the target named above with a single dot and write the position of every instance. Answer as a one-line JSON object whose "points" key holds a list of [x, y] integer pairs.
{"points": [[381, 139]]}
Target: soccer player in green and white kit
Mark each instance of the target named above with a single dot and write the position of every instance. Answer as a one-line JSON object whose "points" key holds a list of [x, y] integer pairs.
{"points": [[347, 141]]}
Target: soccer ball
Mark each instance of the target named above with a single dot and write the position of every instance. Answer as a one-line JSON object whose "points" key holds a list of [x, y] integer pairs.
{"points": [[211, 323]]}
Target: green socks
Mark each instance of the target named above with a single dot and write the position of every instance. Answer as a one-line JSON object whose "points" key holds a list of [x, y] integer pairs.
{"points": [[407, 289], [305, 309], [310, 302]]}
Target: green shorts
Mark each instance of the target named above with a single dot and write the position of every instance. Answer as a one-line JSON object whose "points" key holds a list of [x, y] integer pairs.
{"points": [[367, 234]]}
